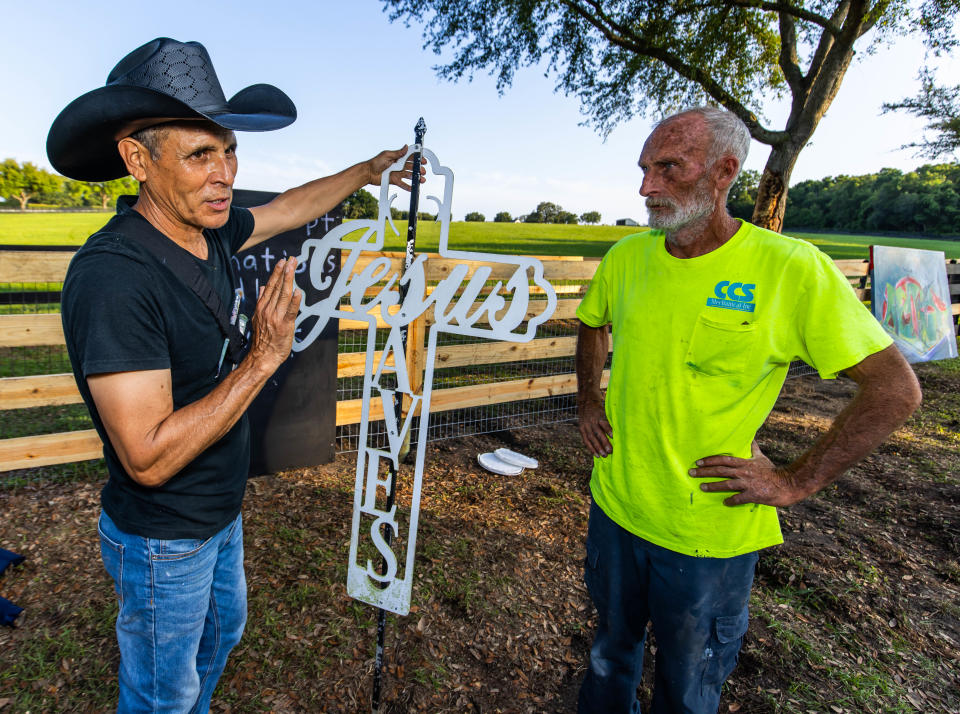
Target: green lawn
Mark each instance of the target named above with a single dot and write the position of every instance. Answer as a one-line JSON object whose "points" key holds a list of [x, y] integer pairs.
{"points": [[49, 228], [840, 247], [515, 238]]}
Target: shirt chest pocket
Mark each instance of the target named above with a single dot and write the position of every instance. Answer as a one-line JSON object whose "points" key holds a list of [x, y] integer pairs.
{"points": [[721, 348]]}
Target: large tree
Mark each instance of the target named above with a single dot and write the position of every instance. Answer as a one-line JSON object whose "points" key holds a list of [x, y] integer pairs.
{"points": [[545, 212], [24, 182], [360, 204], [629, 57], [107, 192]]}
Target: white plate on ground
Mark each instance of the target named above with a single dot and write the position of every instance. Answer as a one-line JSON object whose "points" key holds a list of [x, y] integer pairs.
{"points": [[512, 457], [490, 462]]}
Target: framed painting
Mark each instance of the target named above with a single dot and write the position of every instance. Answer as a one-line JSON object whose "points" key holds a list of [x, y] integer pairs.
{"points": [[911, 299]]}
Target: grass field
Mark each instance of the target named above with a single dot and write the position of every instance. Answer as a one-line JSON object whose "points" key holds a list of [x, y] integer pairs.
{"points": [[515, 238], [49, 228], [841, 247]]}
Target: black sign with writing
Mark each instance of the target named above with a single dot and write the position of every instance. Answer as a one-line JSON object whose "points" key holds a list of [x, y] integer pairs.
{"points": [[293, 419]]}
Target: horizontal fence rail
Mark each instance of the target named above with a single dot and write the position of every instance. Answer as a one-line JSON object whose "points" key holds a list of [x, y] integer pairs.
{"points": [[44, 272]]}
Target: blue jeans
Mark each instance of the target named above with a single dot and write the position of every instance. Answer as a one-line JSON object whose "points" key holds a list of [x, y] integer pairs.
{"points": [[698, 607], [183, 605]]}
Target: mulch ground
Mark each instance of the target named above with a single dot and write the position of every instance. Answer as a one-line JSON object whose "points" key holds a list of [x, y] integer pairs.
{"points": [[858, 611]]}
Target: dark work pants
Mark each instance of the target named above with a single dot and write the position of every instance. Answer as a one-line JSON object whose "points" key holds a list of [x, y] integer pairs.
{"points": [[698, 607]]}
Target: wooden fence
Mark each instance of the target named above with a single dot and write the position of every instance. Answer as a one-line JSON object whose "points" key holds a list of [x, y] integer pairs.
{"points": [[569, 275]]}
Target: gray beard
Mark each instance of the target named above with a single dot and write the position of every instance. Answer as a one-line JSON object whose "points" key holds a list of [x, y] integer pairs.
{"points": [[682, 215]]}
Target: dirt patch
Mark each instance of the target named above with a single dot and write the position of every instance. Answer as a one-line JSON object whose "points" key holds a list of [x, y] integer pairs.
{"points": [[858, 610]]}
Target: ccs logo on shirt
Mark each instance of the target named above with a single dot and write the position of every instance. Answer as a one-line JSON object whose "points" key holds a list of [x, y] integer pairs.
{"points": [[733, 296]]}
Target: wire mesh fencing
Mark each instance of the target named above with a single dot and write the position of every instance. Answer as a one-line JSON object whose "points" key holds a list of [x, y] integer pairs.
{"points": [[511, 413], [488, 366]]}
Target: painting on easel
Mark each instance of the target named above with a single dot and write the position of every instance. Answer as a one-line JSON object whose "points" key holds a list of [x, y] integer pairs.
{"points": [[911, 299]]}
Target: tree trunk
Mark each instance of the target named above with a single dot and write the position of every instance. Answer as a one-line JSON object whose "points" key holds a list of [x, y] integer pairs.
{"points": [[104, 200], [24, 198], [771, 201], [813, 93]]}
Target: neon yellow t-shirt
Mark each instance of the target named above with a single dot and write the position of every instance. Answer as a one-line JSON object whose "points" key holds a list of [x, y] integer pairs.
{"points": [[701, 348]]}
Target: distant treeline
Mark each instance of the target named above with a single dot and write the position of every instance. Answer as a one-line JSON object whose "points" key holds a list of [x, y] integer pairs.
{"points": [[362, 204], [926, 200], [22, 184]]}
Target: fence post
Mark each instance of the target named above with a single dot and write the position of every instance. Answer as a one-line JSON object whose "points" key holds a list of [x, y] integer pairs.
{"points": [[416, 357]]}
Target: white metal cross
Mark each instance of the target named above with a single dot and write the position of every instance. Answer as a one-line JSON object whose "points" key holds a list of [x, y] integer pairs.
{"points": [[458, 308]]}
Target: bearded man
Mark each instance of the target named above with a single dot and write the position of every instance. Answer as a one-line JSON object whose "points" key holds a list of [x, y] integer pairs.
{"points": [[157, 350], [707, 313]]}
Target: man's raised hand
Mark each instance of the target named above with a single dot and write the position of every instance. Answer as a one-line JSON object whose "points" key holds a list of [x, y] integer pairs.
{"points": [[274, 319], [402, 178]]}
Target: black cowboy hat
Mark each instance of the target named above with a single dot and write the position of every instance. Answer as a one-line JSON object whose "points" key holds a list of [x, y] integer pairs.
{"points": [[163, 78]]}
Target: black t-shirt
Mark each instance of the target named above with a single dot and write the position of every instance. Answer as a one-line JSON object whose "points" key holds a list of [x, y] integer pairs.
{"points": [[123, 311]]}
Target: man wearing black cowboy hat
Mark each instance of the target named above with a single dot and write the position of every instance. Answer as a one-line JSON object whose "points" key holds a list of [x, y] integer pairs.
{"points": [[147, 320]]}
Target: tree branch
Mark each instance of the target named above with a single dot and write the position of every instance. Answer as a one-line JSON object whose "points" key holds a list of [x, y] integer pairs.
{"points": [[611, 31], [781, 7], [831, 70], [604, 18], [873, 17], [789, 61], [826, 42]]}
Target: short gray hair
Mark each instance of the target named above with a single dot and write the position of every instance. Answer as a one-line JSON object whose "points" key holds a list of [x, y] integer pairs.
{"points": [[151, 137], [730, 134]]}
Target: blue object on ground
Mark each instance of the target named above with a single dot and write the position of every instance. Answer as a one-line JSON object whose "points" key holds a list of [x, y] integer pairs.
{"points": [[8, 611], [8, 558]]}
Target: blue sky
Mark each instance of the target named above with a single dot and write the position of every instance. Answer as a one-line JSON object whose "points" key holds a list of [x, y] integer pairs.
{"points": [[360, 83]]}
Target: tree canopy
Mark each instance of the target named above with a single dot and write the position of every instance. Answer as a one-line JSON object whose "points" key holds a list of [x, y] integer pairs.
{"points": [[629, 57], [926, 200], [503, 217], [360, 204], [102, 193], [743, 194], [940, 106], [475, 217], [26, 182], [548, 212]]}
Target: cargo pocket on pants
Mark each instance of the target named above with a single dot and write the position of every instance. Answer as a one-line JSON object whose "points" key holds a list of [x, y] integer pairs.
{"points": [[591, 564], [723, 652]]}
